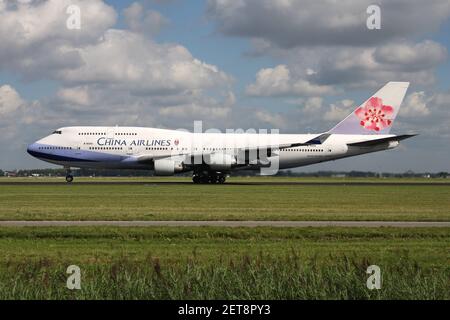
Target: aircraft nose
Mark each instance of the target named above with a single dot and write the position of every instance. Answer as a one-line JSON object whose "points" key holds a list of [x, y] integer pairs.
{"points": [[31, 149]]}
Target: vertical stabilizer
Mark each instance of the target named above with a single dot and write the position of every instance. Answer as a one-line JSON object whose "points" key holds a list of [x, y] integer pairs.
{"points": [[377, 114]]}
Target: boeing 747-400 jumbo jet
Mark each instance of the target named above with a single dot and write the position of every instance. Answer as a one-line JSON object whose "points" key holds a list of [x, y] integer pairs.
{"points": [[211, 156]]}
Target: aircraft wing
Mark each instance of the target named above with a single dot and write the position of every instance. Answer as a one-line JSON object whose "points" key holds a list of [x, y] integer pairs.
{"points": [[319, 139], [316, 140], [370, 143]]}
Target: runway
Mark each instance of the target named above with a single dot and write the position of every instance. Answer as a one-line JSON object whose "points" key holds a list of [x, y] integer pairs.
{"points": [[283, 224], [240, 183]]}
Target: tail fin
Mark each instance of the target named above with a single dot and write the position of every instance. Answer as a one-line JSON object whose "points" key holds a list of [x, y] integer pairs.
{"points": [[377, 114]]}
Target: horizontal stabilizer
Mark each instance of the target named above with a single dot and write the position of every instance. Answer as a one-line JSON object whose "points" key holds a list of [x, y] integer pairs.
{"points": [[370, 143], [320, 139], [316, 140]]}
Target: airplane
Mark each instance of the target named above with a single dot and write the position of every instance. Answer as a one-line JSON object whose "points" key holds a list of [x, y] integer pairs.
{"points": [[212, 156]]}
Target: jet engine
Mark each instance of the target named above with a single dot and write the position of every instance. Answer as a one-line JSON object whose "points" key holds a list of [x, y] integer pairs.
{"points": [[220, 161], [168, 167]]}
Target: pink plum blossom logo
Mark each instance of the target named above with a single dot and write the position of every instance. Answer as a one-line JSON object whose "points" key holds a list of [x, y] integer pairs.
{"points": [[375, 115], [176, 142]]}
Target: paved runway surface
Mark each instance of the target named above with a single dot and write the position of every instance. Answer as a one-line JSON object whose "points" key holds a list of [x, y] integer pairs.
{"points": [[242, 183], [297, 224]]}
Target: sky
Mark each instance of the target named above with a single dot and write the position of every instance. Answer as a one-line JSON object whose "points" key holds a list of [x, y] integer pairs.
{"points": [[299, 66]]}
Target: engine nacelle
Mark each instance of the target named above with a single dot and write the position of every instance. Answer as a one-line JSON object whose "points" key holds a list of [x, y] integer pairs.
{"points": [[167, 167], [220, 161]]}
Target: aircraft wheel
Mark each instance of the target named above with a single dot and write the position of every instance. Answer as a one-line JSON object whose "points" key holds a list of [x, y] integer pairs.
{"points": [[196, 179], [212, 179], [205, 179], [69, 178], [221, 179]]}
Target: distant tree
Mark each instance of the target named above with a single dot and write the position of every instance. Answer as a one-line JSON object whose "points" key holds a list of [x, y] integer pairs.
{"points": [[442, 174], [59, 172], [408, 174]]}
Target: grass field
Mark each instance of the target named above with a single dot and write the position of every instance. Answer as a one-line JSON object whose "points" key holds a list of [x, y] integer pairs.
{"points": [[245, 201], [250, 179], [213, 263], [224, 263]]}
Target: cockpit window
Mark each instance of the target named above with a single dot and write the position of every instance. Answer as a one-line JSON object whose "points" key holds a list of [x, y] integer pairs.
{"points": [[57, 132]]}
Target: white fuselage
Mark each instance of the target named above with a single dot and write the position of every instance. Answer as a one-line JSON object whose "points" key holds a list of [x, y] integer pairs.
{"points": [[126, 147]]}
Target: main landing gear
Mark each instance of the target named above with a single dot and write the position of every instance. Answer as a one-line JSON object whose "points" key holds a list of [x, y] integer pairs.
{"points": [[69, 176], [210, 177]]}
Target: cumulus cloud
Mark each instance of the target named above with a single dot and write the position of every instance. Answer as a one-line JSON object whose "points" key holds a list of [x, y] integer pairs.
{"points": [[75, 95], [411, 56], [30, 23], [415, 105], [212, 110], [144, 21], [426, 113], [16, 113], [105, 75], [331, 42], [10, 100], [35, 38], [346, 67], [274, 120], [188, 111], [37, 44], [109, 76], [279, 82], [339, 110], [134, 62], [313, 105], [291, 23], [373, 66]]}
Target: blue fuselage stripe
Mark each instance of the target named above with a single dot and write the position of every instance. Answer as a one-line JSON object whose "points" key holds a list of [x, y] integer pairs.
{"points": [[56, 157], [55, 153]]}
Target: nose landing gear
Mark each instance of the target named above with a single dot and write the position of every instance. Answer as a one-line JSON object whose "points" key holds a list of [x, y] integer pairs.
{"points": [[69, 176]]}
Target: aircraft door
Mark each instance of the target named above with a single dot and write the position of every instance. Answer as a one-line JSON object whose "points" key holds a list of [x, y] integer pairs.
{"points": [[130, 150], [110, 133]]}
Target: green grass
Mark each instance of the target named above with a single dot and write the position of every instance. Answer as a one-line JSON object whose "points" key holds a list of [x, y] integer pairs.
{"points": [[224, 263], [267, 201], [229, 263]]}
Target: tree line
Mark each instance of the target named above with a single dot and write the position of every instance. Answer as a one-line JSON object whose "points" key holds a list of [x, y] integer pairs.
{"points": [[281, 173]]}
